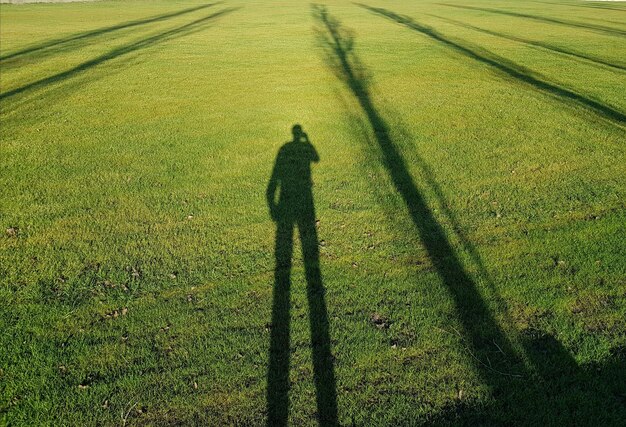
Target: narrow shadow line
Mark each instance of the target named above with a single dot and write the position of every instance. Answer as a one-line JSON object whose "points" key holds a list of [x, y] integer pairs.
{"points": [[608, 21], [473, 313], [615, 9], [115, 53], [597, 28], [534, 43], [586, 6], [505, 66], [89, 34], [291, 176]]}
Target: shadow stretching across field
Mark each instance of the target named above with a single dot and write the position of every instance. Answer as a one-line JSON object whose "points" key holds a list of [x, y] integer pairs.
{"points": [[472, 310], [586, 26], [183, 30], [505, 66], [544, 384], [538, 44], [598, 6], [586, 6], [291, 175], [68, 43]]}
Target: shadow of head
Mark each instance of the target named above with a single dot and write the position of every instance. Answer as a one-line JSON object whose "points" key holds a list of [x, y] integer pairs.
{"points": [[298, 133]]}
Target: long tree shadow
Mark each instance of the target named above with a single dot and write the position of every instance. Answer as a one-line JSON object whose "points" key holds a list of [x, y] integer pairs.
{"points": [[480, 328], [570, 5], [539, 44], [597, 6], [70, 42], [505, 66], [291, 176], [543, 386], [586, 26], [189, 28], [586, 6]]}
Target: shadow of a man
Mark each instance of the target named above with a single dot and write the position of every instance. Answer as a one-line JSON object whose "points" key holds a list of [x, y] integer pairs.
{"points": [[295, 207]]}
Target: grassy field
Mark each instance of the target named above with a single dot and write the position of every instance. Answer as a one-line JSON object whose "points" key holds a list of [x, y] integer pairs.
{"points": [[461, 249]]}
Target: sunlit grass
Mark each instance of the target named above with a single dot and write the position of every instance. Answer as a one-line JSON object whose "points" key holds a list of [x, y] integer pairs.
{"points": [[137, 256]]}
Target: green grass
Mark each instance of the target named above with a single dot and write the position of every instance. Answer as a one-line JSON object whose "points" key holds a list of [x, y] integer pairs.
{"points": [[470, 198]]}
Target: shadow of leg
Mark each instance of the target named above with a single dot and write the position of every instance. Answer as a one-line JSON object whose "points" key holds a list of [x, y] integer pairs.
{"points": [[278, 371], [323, 370]]}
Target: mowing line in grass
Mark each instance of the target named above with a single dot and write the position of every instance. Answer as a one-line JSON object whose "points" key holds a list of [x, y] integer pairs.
{"points": [[596, 28], [189, 28], [519, 73], [85, 36], [538, 44]]}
